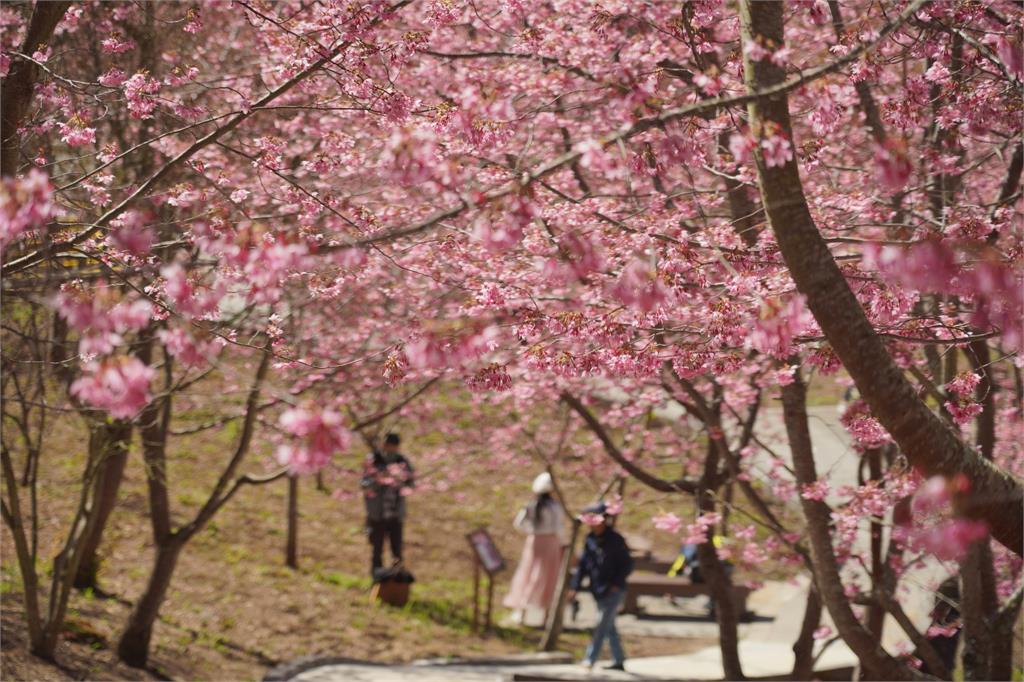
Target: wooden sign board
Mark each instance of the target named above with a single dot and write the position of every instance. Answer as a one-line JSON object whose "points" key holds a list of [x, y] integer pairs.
{"points": [[486, 551]]}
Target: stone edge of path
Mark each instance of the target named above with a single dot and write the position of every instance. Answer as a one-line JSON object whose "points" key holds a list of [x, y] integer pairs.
{"points": [[292, 669], [526, 658]]}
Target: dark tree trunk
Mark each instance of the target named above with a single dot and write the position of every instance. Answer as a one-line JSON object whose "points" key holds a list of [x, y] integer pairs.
{"points": [[803, 647], [18, 86], [133, 647], [109, 443], [291, 552], [928, 442], [713, 570], [872, 657]]}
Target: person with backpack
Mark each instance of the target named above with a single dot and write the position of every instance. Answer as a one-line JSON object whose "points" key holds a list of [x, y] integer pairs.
{"points": [[605, 564], [536, 576], [387, 480]]}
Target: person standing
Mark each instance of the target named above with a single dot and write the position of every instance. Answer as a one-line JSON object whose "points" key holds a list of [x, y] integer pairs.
{"points": [[605, 564], [543, 520], [387, 480]]}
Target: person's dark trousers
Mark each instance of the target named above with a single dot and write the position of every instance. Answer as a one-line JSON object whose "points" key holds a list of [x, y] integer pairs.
{"points": [[379, 531]]}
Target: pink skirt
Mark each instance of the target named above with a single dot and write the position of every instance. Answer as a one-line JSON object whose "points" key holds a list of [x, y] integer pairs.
{"points": [[537, 574]]}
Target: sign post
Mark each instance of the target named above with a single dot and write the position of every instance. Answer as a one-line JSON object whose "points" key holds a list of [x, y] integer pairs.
{"points": [[486, 556]]}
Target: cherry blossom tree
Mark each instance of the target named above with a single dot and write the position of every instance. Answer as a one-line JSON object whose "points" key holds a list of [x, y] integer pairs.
{"points": [[334, 205]]}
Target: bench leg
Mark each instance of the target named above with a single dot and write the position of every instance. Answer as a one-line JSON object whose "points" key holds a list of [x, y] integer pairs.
{"points": [[629, 604]]}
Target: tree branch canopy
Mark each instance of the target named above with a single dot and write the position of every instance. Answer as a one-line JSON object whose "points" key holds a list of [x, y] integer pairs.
{"points": [[930, 444]]}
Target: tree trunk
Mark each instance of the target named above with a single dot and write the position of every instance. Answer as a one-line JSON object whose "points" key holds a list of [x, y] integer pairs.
{"points": [[928, 442], [18, 86], [714, 572], [803, 647], [872, 657], [109, 442], [133, 647], [291, 554], [556, 613]]}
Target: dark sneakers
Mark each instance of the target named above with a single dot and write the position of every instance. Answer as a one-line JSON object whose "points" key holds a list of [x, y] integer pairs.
{"points": [[615, 666]]}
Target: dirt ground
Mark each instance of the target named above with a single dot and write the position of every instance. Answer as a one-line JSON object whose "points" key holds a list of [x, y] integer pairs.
{"points": [[234, 609]]}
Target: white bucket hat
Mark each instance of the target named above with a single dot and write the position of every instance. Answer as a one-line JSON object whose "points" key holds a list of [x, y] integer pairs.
{"points": [[543, 484]]}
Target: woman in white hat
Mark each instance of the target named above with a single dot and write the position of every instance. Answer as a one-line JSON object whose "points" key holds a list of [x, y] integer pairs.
{"points": [[543, 520]]}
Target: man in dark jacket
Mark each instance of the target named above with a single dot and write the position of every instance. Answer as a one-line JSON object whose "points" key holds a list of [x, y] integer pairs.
{"points": [[605, 563], [387, 479]]}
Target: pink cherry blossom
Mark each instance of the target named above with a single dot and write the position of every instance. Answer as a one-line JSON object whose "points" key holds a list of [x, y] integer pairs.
{"points": [[26, 204], [892, 167], [668, 522], [640, 287], [779, 323], [317, 435], [118, 385]]}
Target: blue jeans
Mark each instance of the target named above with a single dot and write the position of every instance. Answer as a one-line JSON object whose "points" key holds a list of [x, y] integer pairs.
{"points": [[607, 608]]}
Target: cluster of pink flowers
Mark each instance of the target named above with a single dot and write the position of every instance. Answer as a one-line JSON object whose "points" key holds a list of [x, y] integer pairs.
{"points": [[116, 44], [640, 287], [817, 491], [75, 133], [502, 228], [431, 351], [492, 377], [668, 522], [864, 428], [100, 324], [892, 167], [26, 204], [131, 233], [412, 157], [318, 434], [779, 323], [777, 150], [138, 92], [932, 529], [187, 350], [119, 385]]}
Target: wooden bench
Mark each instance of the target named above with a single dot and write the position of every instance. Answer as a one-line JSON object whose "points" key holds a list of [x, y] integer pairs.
{"points": [[659, 585], [654, 563]]}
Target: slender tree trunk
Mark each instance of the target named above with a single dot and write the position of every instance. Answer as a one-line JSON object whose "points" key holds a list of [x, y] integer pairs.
{"points": [[803, 647], [19, 84], [979, 603], [876, 613], [713, 570], [556, 613], [928, 442], [133, 647], [872, 657], [108, 442], [291, 553]]}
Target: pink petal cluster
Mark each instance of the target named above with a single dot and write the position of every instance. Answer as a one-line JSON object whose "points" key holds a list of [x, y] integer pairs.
{"points": [[116, 45], [26, 203], [640, 287], [318, 434], [864, 428], [76, 134], [779, 323], [187, 350], [892, 166], [818, 490], [668, 522], [777, 150], [119, 385], [493, 377], [964, 383], [139, 91]]}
